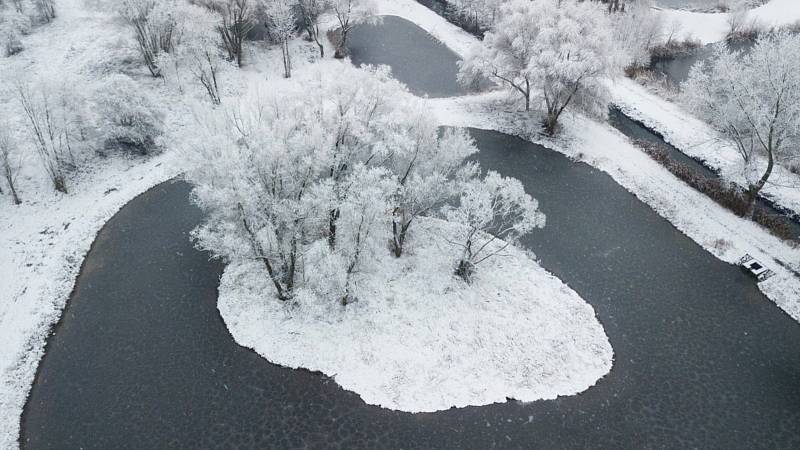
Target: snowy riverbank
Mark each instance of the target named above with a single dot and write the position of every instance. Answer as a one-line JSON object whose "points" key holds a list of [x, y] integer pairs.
{"points": [[420, 339]]}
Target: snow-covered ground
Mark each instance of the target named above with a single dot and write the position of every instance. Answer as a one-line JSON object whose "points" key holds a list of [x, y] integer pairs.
{"points": [[420, 339], [713, 27]]}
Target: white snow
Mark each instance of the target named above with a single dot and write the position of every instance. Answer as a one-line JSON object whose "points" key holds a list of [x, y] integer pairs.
{"points": [[420, 339], [713, 27]]}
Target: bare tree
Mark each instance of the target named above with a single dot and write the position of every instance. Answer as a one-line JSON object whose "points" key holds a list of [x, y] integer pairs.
{"points": [[282, 21], [494, 213], [9, 162], [753, 99], [350, 13], [155, 26], [51, 130], [310, 13]]}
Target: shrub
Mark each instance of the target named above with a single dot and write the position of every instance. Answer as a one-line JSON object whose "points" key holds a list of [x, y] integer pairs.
{"points": [[777, 225], [129, 119], [673, 49], [726, 194]]}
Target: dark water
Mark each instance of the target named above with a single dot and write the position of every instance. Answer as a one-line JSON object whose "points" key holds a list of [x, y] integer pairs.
{"points": [[676, 70], [702, 359], [427, 66]]}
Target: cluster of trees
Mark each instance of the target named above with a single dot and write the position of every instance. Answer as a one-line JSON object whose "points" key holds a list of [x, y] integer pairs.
{"points": [[205, 32], [753, 99], [553, 53], [66, 128], [315, 183], [17, 17]]}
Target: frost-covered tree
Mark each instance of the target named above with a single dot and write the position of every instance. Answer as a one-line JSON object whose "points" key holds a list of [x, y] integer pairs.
{"points": [[310, 13], [475, 16], [363, 215], [350, 13], [558, 49], [354, 109], [52, 118], [237, 18], [429, 167], [282, 23], [14, 23], [46, 9], [199, 52], [254, 170], [128, 116], [156, 26], [489, 210], [753, 99], [637, 30], [9, 162]]}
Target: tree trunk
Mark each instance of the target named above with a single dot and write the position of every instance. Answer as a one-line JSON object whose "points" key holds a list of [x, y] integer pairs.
{"points": [[550, 123], [341, 48], [287, 59], [321, 48], [333, 216], [754, 189]]}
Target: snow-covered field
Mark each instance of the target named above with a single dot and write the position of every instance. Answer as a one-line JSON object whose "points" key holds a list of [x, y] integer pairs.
{"points": [[420, 339]]}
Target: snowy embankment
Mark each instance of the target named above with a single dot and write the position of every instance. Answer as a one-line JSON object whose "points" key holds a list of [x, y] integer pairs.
{"points": [[713, 27], [718, 230], [697, 139], [420, 339]]}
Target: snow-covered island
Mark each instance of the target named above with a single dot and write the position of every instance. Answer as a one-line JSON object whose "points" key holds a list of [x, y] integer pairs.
{"points": [[420, 339]]}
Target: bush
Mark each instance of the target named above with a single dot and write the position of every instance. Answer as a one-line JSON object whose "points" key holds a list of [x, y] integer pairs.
{"points": [[777, 225], [129, 119], [673, 49], [13, 25]]}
